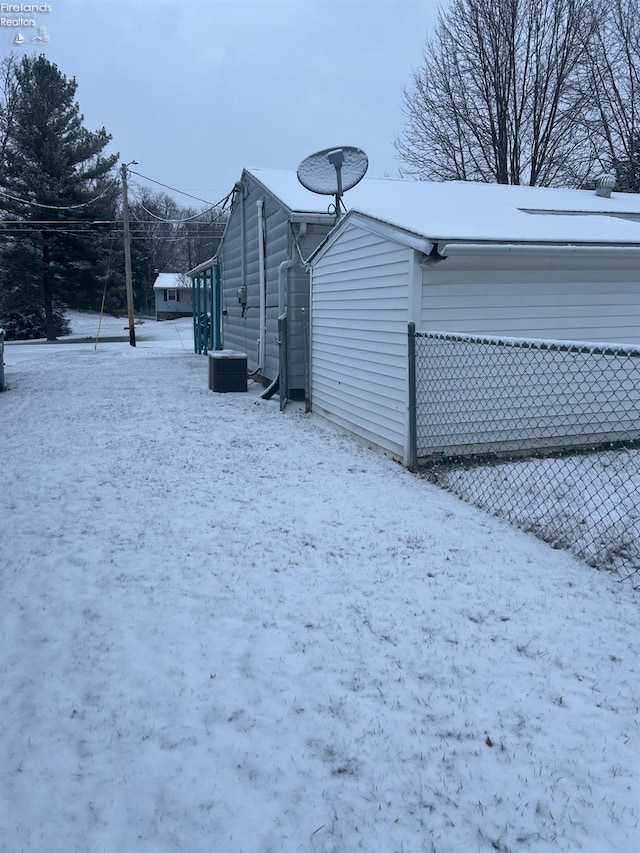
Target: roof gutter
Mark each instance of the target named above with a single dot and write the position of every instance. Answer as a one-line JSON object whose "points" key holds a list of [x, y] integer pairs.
{"points": [[312, 218], [205, 265], [453, 249]]}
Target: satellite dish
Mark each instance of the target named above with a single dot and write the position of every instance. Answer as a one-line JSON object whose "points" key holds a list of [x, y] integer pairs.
{"points": [[333, 171]]}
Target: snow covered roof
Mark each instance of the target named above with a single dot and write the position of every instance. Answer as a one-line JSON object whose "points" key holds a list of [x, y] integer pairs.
{"points": [[170, 280], [284, 185], [475, 212], [463, 211]]}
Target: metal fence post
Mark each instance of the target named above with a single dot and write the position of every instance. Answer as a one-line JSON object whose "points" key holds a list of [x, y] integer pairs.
{"points": [[412, 451], [1, 359], [198, 314], [195, 313]]}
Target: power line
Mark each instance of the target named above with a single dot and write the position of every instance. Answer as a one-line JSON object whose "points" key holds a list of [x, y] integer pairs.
{"points": [[110, 228], [173, 189], [139, 224], [55, 206], [38, 222], [186, 219], [104, 192]]}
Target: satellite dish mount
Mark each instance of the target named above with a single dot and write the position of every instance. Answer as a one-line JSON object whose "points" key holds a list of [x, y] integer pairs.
{"points": [[336, 158], [333, 171]]}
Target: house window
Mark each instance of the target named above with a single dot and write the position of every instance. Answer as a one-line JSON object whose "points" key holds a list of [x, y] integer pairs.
{"points": [[171, 295]]}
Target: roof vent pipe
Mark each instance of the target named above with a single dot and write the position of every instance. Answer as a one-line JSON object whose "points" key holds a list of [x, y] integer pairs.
{"points": [[604, 185]]}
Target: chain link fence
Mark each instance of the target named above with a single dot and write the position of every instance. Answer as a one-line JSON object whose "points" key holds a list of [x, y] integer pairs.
{"points": [[544, 434]]}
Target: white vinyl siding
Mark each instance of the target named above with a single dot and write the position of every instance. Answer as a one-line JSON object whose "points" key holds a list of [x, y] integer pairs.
{"points": [[176, 297], [581, 304], [359, 337], [173, 302]]}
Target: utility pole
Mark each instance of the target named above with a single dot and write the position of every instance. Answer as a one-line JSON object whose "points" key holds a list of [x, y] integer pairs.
{"points": [[127, 254]]}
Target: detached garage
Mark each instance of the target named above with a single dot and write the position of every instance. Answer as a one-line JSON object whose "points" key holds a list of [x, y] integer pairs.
{"points": [[468, 259]]}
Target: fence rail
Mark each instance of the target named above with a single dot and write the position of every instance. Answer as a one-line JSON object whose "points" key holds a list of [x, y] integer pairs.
{"points": [[543, 433]]}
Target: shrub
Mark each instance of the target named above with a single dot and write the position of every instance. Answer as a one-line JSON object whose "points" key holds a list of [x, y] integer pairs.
{"points": [[30, 324]]}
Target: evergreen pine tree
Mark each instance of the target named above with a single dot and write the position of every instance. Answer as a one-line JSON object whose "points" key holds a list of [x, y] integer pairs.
{"points": [[57, 183]]}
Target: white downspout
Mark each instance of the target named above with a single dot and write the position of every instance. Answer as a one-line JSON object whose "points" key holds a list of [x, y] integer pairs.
{"points": [[282, 284], [283, 373], [263, 289], [282, 274], [279, 384]]}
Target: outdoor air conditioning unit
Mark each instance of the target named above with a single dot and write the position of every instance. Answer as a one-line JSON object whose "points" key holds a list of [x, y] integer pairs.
{"points": [[227, 370]]}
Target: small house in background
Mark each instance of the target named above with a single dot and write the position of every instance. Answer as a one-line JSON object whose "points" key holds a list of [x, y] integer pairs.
{"points": [[460, 258], [172, 292]]}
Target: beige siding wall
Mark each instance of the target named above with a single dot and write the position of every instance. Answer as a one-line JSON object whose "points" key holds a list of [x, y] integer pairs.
{"points": [[600, 302], [359, 337]]}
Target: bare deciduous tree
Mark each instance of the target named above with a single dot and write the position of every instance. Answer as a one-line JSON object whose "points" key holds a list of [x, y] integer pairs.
{"points": [[611, 76], [495, 97], [168, 238]]}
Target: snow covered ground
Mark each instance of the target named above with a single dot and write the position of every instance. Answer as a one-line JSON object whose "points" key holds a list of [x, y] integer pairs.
{"points": [[227, 629], [587, 504]]}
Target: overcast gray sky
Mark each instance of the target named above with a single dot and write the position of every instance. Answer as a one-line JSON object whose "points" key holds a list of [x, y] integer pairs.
{"points": [[195, 90]]}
